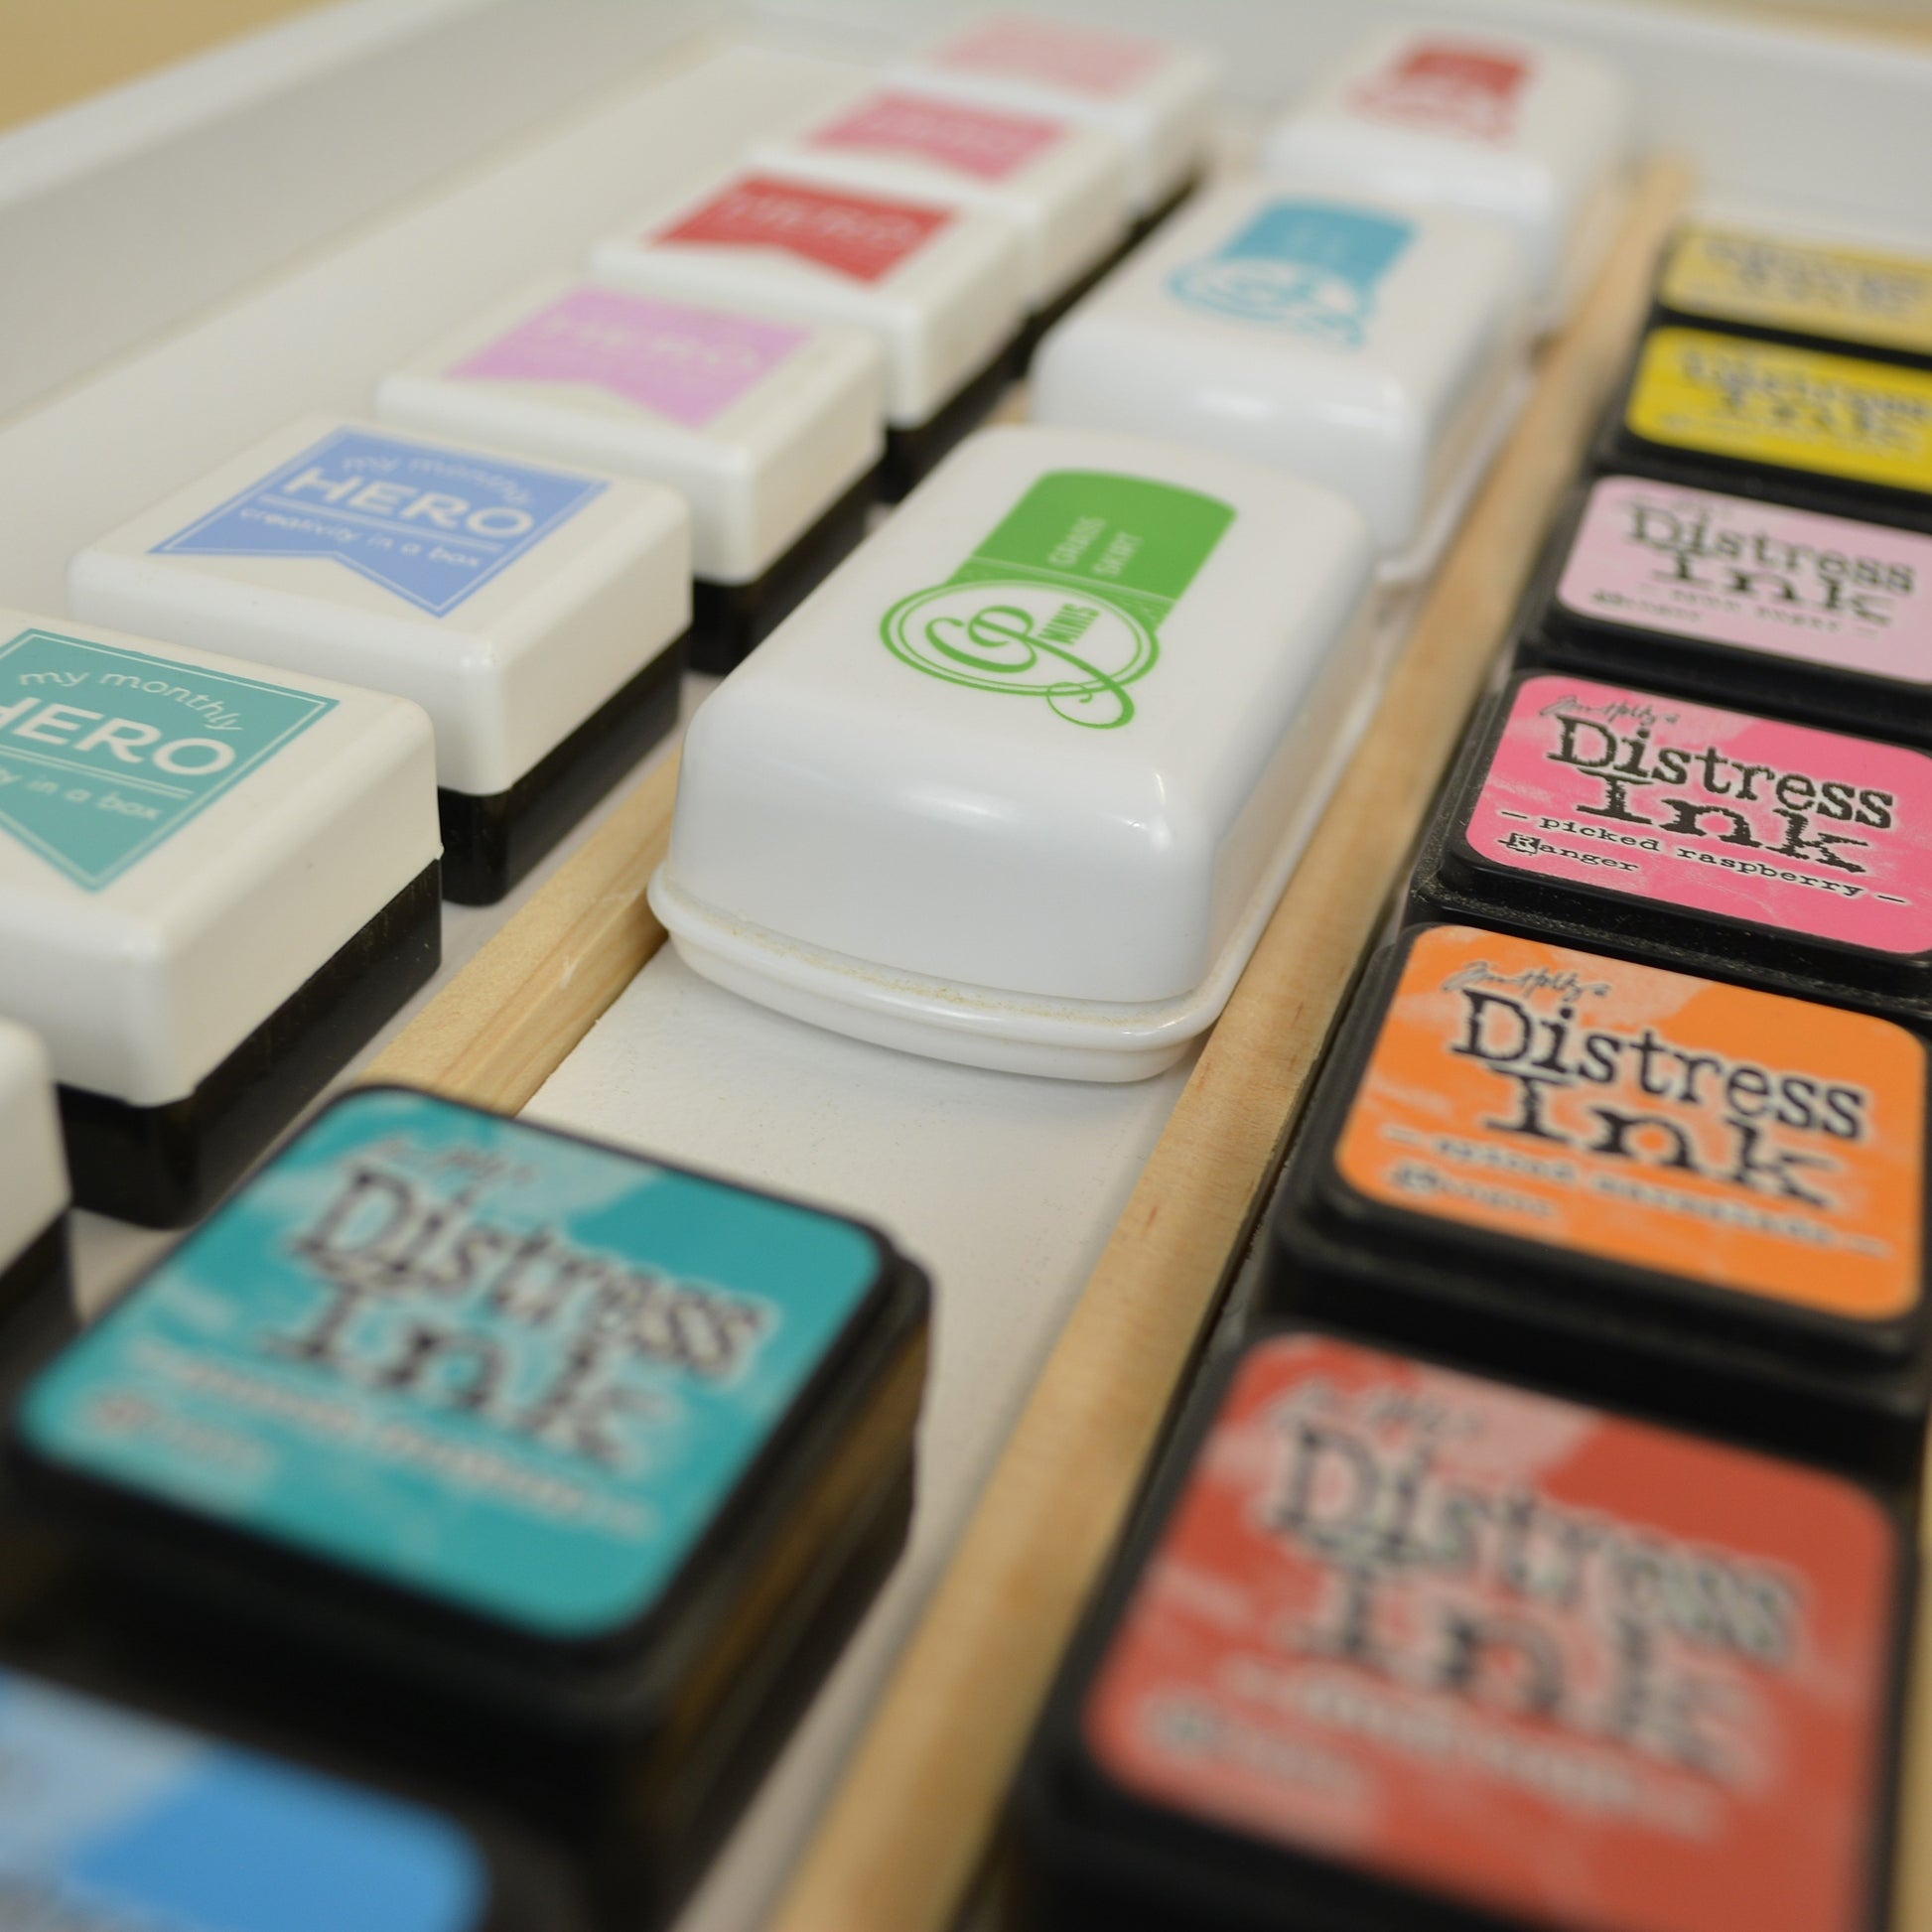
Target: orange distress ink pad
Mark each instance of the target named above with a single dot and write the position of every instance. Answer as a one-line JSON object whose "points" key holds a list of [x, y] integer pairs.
{"points": [[1395, 1645], [1696, 1198]]}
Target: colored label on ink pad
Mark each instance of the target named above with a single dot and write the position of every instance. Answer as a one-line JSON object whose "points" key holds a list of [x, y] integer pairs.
{"points": [[1452, 88], [1852, 295], [1521, 1654], [1801, 408], [114, 1822], [688, 364], [1054, 53], [1741, 1138], [1727, 570], [859, 238], [433, 526], [105, 752], [983, 142], [465, 1357], [1716, 811]]}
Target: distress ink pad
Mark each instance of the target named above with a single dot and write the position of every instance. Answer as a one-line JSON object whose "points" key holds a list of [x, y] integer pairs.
{"points": [[1360, 342], [33, 1176], [216, 884], [1726, 598], [1393, 1645], [538, 614], [942, 288], [1842, 434], [1793, 289], [1526, 134], [770, 431], [1691, 1197], [553, 1469], [115, 1819], [1020, 785], [1155, 95], [1716, 841]]}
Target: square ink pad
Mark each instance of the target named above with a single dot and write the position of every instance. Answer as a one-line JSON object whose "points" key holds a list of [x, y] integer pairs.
{"points": [[1715, 841], [1395, 1645], [1730, 599], [1681, 1196], [548, 1466]]}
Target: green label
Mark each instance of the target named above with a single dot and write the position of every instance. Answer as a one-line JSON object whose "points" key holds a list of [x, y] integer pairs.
{"points": [[105, 752], [1065, 599]]}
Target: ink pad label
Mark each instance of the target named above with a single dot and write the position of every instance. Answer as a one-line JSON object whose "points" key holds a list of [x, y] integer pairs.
{"points": [[1082, 59], [1750, 1142], [433, 526], [1063, 602], [1716, 811], [1307, 268], [858, 236], [1455, 87], [1553, 1664], [107, 753], [1722, 570], [464, 1357], [1761, 402], [987, 144], [689, 364], [114, 1822], [1854, 295]]}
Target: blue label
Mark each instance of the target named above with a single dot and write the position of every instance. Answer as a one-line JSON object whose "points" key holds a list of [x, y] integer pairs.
{"points": [[431, 524], [1308, 267], [105, 752], [112, 1823], [462, 1355]]}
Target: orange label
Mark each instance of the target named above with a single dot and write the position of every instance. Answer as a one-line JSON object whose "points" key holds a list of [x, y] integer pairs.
{"points": [[1751, 1142], [1558, 1665]]}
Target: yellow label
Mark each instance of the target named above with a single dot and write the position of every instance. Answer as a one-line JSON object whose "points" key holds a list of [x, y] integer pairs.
{"points": [[1760, 402], [1848, 295]]}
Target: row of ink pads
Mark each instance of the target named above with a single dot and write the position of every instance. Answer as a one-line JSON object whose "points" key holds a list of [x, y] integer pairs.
{"points": [[1635, 1109]]}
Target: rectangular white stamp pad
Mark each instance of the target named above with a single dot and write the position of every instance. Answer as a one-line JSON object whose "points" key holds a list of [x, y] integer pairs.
{"points": [[1156, 94], [942, 288], [1530, 135], [1376, 347], [216, 882], [536, 614], [1021, 783], [770, 431], [32, 1173]]}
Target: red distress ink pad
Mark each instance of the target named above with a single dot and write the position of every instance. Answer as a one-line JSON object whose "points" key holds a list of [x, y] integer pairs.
{"points": [[1692, 1199], [1713, 841], [1396, 1646]]}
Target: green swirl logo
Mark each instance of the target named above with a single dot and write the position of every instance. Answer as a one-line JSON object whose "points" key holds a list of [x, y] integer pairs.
{"points": [[1027, 640]]}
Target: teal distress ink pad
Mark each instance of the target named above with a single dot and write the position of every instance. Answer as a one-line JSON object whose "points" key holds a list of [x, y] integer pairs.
{"points": [[545, 1464]]}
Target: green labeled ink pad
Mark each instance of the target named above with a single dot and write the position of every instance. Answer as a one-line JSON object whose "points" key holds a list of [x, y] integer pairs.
{"points": [[566, 1456]]}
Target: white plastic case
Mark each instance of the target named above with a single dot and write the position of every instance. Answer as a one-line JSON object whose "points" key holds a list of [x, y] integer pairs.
{"points": [[1019, 784], [33, 1166]]}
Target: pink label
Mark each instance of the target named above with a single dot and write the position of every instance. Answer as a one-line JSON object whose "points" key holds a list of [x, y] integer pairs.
{"points": [[854, 236], [685, 363], [969, 140], [1723, 571], [1083, 59], [1599, 785], [1449, 88]]}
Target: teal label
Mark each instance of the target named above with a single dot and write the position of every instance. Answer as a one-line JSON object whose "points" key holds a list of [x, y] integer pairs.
{"points": [[1063, 602], [105, 752], [464, 1356], [116, 1824], [1310, 268]]}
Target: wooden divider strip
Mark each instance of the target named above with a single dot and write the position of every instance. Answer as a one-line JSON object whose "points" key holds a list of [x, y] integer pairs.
{"points": [[912, 1820]]}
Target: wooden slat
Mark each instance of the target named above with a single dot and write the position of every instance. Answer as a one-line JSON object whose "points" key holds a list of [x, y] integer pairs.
{"points": [[910, 1822], [504, 1023]]}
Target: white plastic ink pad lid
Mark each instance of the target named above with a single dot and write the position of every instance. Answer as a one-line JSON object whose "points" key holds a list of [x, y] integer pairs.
{"points": [[33, 1169], [1020, 783]]}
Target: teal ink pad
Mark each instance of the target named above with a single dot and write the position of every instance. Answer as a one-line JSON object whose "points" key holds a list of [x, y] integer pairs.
{"points": [[548, 1466]]}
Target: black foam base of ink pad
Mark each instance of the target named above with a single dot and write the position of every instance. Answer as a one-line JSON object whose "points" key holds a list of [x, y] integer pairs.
{"points": [[490, 842], [730, 620], [164, 1166], [912, 454]]}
